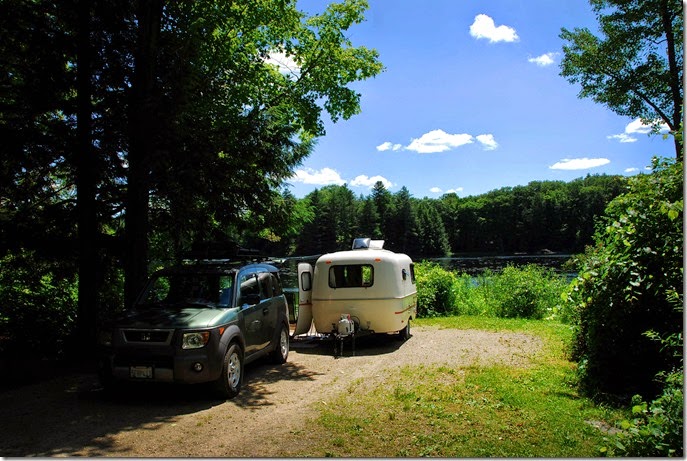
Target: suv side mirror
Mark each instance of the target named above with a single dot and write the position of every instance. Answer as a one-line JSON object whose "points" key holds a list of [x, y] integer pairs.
{"points": [[250, 299]]}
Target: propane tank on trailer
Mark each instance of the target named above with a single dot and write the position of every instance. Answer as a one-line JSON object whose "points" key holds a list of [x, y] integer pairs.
{"points": [[346, 325]]}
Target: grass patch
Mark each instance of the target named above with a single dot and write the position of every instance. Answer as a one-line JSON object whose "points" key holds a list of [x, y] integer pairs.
{"points": [[443, 411]]}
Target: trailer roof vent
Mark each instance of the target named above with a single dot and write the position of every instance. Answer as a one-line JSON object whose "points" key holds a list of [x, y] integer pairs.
{"points": [[367, 243], [361, 243]]}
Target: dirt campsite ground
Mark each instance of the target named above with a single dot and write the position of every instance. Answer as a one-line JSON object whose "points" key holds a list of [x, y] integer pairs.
{"points": [[71, 415]]}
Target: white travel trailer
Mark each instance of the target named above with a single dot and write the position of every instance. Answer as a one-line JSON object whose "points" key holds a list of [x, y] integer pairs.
{"points": [[366, 289]]}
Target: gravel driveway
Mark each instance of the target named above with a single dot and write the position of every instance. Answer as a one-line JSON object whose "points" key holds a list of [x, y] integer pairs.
{"points": [[71, 416]]}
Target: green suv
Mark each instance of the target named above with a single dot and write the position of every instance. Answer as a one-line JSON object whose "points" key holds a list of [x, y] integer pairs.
{"points": [[198, 323]]}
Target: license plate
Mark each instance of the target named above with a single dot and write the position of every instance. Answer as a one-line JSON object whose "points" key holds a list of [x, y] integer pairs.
{"points": [[141, 372]]}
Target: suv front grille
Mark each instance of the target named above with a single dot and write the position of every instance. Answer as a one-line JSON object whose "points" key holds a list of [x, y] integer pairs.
{"points": [[148, 336]]}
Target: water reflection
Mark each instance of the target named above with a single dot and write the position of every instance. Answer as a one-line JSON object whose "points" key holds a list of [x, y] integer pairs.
{"points": [[475, 265]]}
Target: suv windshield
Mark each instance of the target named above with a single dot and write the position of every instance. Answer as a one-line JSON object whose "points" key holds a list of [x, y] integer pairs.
{"points": [[214, 290]]}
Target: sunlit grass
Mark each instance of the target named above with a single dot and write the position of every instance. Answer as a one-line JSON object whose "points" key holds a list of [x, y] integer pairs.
{"points": [[443, 411]]}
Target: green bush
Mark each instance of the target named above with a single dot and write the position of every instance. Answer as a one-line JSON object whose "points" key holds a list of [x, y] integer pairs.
{"points": [[624, 287], [473, 295], [530, 292], [39, 303], [656, 429], [435, 290]]}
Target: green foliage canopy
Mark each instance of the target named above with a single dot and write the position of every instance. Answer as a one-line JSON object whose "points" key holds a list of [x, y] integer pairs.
{"points": [[635, 68], [162, 122]]}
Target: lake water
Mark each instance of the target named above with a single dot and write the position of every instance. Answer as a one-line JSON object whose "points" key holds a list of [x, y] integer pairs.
{"points": [[475, 265]]}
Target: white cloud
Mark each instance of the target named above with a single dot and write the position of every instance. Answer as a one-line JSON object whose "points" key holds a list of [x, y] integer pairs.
{"points": [[636, 127], [487, 141], [285, 64], [484, 27], [438, 190], [579, 163], [631, 170], [323, 177], [388, 146], [438, 141], [364, 181], [441, 141], [544, 60], [328, 176], [622, 137]]}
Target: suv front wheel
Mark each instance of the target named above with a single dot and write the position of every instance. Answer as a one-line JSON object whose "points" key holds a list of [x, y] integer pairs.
{"points": [[229, 382]]}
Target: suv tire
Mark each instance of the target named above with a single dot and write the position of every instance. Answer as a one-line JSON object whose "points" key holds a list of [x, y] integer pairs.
{"points": [[281, 348], [229, 382]]}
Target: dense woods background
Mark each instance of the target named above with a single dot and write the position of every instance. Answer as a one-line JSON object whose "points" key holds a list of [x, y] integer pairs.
{"points": [[543, 216]]}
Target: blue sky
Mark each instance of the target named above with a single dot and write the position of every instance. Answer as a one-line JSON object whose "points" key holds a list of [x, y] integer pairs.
{"points": [[470, 101]]}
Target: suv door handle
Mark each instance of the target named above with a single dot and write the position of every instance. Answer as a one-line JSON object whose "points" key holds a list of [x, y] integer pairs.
{"points": [[265, 311]]}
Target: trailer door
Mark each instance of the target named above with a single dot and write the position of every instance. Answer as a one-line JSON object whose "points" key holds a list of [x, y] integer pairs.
{"points": [[305, 279]]}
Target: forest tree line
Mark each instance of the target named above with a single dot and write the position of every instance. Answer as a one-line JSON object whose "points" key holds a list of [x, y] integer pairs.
{"points": [[542, 216]]}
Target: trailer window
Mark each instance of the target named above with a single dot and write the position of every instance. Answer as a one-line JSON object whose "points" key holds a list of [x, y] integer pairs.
{"points": [[351, 276]]}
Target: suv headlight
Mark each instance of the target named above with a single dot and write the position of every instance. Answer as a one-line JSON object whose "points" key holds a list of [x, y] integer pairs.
{"points": [[195, 340]]}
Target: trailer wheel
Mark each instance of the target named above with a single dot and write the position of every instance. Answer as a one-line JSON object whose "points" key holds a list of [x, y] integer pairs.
{"points": [[404, 334], [229, 383]]}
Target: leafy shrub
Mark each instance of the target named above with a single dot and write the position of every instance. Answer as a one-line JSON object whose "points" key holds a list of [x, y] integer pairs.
{"points": [[529, 292], [435, 290], [38, 300], [624, 285], [473, 295], [655, 429]]}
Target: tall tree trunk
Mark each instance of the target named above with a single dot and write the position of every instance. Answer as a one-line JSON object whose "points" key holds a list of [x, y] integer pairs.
{"points": [[674, 70], [86, 175], [142, 141]]}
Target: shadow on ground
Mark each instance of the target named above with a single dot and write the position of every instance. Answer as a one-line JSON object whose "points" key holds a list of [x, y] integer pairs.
{"points": [[366, 345], [73, 415]]}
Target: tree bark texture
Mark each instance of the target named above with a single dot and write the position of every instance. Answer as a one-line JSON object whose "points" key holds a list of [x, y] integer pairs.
{"points": [[142, 142], [86, 175]]}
